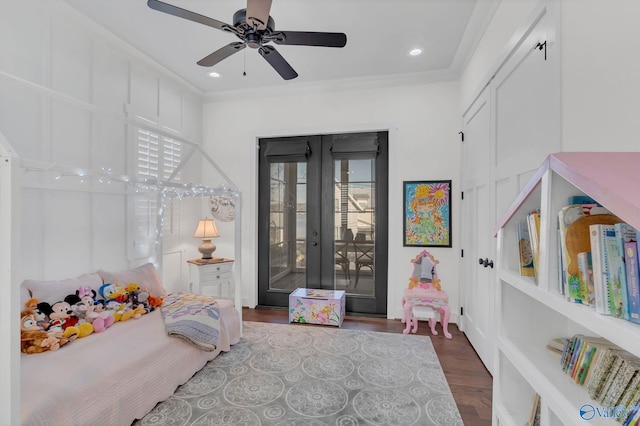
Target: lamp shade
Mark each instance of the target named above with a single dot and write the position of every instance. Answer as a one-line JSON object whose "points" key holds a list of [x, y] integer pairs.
{"points": [[206, 229]]}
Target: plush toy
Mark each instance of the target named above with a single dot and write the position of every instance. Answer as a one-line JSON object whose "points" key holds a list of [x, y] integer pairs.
{"points": [[113, 292], [33, 340], [155, 302], [104, 319], [113, 308], [125, 312], [42, 319], [131, 287], [62, 319], [84, 307], [138, 311], [121, 311], [140, 299]]}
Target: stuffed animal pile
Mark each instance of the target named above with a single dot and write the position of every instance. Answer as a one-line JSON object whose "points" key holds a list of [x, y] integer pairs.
{"points": [[46, 326]]}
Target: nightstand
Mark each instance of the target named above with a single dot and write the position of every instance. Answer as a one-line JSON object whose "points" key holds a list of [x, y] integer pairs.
{"points": [[216, 273]]}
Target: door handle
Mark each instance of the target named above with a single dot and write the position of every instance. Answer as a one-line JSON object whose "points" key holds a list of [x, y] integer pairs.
{"points": [[480, 261], [314, 243], [486, 262]]}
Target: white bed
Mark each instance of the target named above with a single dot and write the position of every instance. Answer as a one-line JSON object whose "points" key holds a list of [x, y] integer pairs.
{"points": [[117, 376]]}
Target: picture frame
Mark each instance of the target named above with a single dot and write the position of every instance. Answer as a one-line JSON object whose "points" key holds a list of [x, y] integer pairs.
{"points": [[427, 213]]}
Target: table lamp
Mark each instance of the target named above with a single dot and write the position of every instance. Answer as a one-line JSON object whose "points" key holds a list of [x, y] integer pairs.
{"points": [[206, 230]]}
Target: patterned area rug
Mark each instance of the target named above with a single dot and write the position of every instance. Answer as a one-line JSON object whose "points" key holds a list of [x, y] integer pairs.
{"points": [[292, 374]]}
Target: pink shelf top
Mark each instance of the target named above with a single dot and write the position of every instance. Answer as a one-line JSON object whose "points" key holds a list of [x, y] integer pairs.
{"points": [[610, 178]]}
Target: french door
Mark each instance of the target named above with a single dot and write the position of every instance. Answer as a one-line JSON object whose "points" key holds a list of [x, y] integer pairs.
{"points": [[323, 218]]}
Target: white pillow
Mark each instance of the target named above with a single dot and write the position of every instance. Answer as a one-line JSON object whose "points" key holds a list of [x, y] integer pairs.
{"points": [[54, 291], [146, 276]]}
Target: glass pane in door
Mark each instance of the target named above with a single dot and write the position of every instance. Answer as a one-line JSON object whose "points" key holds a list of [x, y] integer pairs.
{"points": [[354, 237], [287, 226]]}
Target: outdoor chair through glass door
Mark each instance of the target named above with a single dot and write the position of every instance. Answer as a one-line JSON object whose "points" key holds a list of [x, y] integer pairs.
{"points": [[322, 219]]}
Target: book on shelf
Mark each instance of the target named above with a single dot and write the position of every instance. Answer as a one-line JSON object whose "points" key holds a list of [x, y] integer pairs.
{"points": [[582, 199], [524, 246], [602, 368], [567, 352], [583, 355], [609, 378], [573, 222], [633, 283], [629, 392], [561, 274], [584, 366], [617, 271], [632, 404], [580, 355], [557, 345], [594, 362], [533, 221], [578, 352], [621, 380], [585, 273], [603, 294], [534, 417], [631, 417]]}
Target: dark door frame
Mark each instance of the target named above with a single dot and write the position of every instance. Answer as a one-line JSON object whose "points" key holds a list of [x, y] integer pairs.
{"points": [[320, 169]]}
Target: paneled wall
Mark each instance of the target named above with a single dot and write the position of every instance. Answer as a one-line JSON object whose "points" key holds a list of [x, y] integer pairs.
{"points": [[423, 122], [68, 94]]}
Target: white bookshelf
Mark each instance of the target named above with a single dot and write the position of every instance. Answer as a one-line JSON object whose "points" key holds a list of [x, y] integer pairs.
{"points": [[530, 314]]}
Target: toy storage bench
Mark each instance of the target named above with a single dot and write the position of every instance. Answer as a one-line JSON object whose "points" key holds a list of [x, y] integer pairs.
{"points": [[314, 306]]}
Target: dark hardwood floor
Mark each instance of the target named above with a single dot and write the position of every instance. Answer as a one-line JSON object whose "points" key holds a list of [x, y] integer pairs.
{"points": [[470, 382]]}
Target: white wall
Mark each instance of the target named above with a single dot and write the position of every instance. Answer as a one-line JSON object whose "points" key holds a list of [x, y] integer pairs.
{"points": [[494, 43], [64, 84], [600, 84], [64, 87], [423, 121], [599, 41]]}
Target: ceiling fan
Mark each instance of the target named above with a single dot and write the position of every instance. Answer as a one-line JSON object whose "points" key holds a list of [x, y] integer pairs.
{"points": [[255, 28]]}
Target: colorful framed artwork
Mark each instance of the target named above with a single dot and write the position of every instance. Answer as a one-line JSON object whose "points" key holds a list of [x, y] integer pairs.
{"points": [[427, 213]]}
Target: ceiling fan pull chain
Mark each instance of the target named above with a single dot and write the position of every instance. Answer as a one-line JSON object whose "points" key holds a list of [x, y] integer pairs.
{"points": [[244, 65]]}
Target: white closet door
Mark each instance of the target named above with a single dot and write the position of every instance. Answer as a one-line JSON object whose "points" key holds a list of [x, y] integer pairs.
{"points": [[526, 96], [508, 131], [477, 286]]}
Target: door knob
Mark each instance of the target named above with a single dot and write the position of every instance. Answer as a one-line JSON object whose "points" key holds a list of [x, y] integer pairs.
{"points": [[314, 243], [480, 261], [486, 262]]}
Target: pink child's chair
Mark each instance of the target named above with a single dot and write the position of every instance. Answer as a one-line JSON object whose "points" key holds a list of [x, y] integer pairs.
{"points": [[424, 296]]}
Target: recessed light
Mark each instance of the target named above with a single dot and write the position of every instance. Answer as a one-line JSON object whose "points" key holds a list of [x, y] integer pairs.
{"points": [[415, 52], [214, 74]]}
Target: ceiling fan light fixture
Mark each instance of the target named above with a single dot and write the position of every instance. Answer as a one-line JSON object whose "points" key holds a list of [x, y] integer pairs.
{"points": [[255, 28], [214, 74], [415, 52]]}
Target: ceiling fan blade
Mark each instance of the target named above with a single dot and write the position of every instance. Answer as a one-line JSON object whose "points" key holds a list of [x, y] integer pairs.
{"points": [[278, 63], [186, 14], [258, 13], [221, 54], [309, 38]]}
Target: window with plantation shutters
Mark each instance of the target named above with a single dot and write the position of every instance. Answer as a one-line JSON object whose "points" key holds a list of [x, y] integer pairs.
{"points": [[156, 158]]}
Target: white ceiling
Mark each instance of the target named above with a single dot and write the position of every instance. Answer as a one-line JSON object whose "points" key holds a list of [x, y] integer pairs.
{"points": [[379, 35]]}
